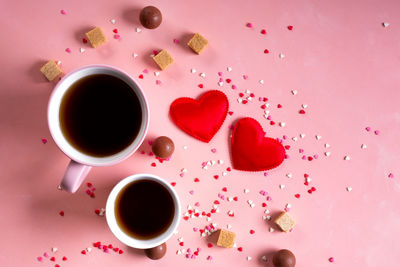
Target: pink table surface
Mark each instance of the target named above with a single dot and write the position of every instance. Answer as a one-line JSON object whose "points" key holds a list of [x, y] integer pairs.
{"points": [[344, 64]]}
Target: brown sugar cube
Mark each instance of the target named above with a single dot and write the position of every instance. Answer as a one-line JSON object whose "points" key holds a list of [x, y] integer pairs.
{"points": [[163, 59], [226, 239], [51, 70], [96, 37], [197, 43], [285, 222]]}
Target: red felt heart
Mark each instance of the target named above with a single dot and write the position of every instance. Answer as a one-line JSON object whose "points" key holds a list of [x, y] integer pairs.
{"points": [[200, 118], [251, 151]]}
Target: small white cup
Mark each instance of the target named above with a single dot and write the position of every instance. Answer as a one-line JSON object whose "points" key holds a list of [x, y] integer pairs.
{"points": [[129, 240]]}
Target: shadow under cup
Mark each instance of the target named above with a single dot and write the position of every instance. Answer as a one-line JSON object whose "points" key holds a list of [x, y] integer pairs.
{"points": [[143, 211]]}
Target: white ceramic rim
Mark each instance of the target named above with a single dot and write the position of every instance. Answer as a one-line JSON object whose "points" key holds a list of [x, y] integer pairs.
{"points": [[120, 234], [54, 110]]}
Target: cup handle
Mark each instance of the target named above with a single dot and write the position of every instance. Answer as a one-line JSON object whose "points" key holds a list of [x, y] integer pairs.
{"points": [[74, 176]]}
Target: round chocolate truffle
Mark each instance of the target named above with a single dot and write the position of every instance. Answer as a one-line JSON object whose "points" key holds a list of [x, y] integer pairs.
{"points": [[156, 253], [150, 17], [284, 258], [163, 147]]}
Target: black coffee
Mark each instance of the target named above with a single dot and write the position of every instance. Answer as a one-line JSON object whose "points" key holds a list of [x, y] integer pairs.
{"points": [[100, 115], [144, 209]]}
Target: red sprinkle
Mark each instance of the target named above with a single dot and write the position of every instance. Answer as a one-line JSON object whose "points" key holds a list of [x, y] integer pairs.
{"points": [[153, 164], [186, 218], [196, 180], [228, 80], [216, 177], [115, 31], [89, 184], [249, 25], [313, 189], [97, 211], [173, 183], [252, 231], [302, 111], [306, 175], [64, 258], [44, 140], [228, 169], [252, 95], [116, 249], [310, 158], [92, 195], [225, 189], [290, 27], [266, 51], [61, 213], [216, 202], [264, 204], [297, 195], [83, 252], [57, 265], [200, 85], [230, 113], [279, 106], [210, 245], [263, 31], [53, 259], [141, 76], [235, 198], [120, 251], [309, 191], [240, 249], [181, 244], [241, 94], [272, 122], [84, 40]]}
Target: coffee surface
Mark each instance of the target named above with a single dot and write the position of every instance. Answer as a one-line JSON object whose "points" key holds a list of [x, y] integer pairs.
{"points": [[144, 209], [100, 115]]}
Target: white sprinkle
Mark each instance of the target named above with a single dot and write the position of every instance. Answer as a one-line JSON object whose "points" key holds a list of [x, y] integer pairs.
{"points": [[268, 217], [151, 55], [178, 252], [281, 55], [294, 92], [58, 62], [327, 145], [266, 111], [183, 251], [213, 162], [209, 163], [193, 70], [289, 175], [264, 217], [59, 187], [266, 116], [248, 258], [349, 189], [224, 173], [250, 201], [112, 21], [138, 29], [176, 232], [252, 205], [327, 153], [281, 186], [183, 170], [205, 167], [229, 69], [230, 212], [81, 49], [88, 249], [266, 211], [302, 135], [202, 74], [230, 199], [318, 137], [271, 229], [261, 81], [54, 249], [294, 138], [282, 124], [308, 179], [180, 239], [228, 226], [156, 73], [102, 212], [363, 146], [248, 91], [220, 161], [385, 24], [220, 83], [185, 147], [288, 205], [264, 258], [135, 55], [239, 100], [304, 105], [234, 245], [208, 219], [346, 158], [246, 191], [203, 234]]}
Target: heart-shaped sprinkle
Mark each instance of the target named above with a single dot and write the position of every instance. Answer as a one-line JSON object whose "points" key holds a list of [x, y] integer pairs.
{"points": [[225, 189], [173, 183], [266, 51], [263, 31], [141, 76], [290, 27], [297, 195]]}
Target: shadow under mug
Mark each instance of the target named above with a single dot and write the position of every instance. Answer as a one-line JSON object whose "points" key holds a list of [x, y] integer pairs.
{"points": [[81, 163], [124, 237]]}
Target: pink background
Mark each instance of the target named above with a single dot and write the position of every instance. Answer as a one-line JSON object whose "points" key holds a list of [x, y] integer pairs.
{"points": [[341, 60]]}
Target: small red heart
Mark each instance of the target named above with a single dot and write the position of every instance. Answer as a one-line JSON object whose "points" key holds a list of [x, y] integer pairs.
{"points": [[173, 183], [297, 195], [266, 51], [64, 258], [228, 80], [251, 151], [235, 198], [228, 169], [240, 249], [115, 31], [200, 118], [272, 122], [279, 106], [208, 214], [196, 180], [120, 251], [264, 204], [216, 202], [213, 211], [153, 164], [306, 175], [210, 245], [61, 213], [53, 259], [225, 189], [216, 177], [197, 214], [181, 244], [241, 95], [186, 218], [97, 211], [141, 76], [302, 111], [196, 253], [230, 113], [84, 40], [309, 191], [290, 27], [115, 249], [252, 232], [263, 31], [200, 85], [245, 101], [83, 252]]}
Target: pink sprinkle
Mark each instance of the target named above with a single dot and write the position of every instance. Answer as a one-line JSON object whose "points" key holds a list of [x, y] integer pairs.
{"points": [[68, 50], [245, 77], [39, 258], [209, 258], [197, 204], [146, 71], [377, 132], [63, 11], [265, 173], [214, 150], [191, 192], [231, 127], [260, 98], [279, 140], [198, 249], [249, 25], [150, 142], [269, 117], [221, 80], [176, 41], [315, 156], [219, 73], [287, 209], [193, 256], [44, 140], [188, 256], [269, 198], [106, 250], [287, 156], [331, 259], [155, 52], [301, 150], [391, 175], [46, 254], [94, 188], [234, 87], [368, 129], [195, 229], [117, 36], [101, 247], [203, 164], [189, 250], [142, 152], [284, 137], [151, 154], [158, 82], [182, 174], [88, 191], [303, 157]]}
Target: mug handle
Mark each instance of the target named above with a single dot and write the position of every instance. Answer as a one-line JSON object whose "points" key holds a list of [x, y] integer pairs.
{"points": [[74, 176]]}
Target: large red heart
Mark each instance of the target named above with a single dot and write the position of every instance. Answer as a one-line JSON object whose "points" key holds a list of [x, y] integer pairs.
{"points": [[251, 151], [200, 118]]}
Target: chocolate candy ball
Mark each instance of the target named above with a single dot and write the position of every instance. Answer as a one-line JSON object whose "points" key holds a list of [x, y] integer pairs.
{"points": [[284, 258], [150, 17], [157, 252], [163, 147]]}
